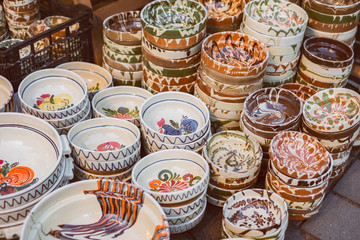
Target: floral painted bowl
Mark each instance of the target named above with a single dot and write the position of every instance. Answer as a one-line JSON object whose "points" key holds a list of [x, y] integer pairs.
{"points": [[96, 77], [333, 7], [173, 18], [275, 18], [172, 176], [220, 52], [6, 95], [332, 110], [124, 27], [174, 118], [104, 139], [53, 93], [302, 91], [121, 102], [140, 215]]}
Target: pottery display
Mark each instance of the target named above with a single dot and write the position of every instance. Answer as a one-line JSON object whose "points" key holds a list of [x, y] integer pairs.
{"points": [[6, 95]]}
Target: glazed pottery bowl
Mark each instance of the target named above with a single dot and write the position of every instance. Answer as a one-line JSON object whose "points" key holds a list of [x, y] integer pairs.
{"points": [[52, 93], [302, 91], [123, 58], [187, 18], [220, 52], [53, 21], [121, 49], [123, 75], [333, 7], [181, 219], [332, 110], [130, 67], [104, 139], [172, 176], [251, 203], [174, 118], [148, 222], [6, 95], [170, 81], [124, 27], [347, 37], [121, 102], [85, 174], [266, 16], [273, 109], [37, 27], [96, 77], [214, 201]]}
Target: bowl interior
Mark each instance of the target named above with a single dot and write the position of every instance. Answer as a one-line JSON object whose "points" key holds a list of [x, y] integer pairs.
{"points": [[125, 22], [5, 91], [222, 8]]}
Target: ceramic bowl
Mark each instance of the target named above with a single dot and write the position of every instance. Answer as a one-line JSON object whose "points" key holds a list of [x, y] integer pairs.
{"points": [[170, 72], [129, 67], [148, 219], [191, 21], [123, 75], [285, 50], [174, 117], [302, 91], [84, 174], [333, 27], [332, 7], [121, 49], [20, 7], [6, 95], [332, 110], [281, 68], [254, 203], [170, 81], [322, 81], [52, 93], [119, 82], [172, 176], [186, 88], [96, 77], [347, 37], [53, 21], [104, 139], [282, 59], [178, 220], [224, 193], [121, 102], [215, 202], [220, 52], [123, 58], [37, 27], [274, 83], [124, 27], [267, 17]]}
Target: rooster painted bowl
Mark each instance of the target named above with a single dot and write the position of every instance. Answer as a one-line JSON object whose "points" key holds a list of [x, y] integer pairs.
{"points": [[124, 27], [101, 203], [275, 18], [172, 176], [6, 95], [233, 53], [104, 139], [173, 18], [52, 93], [333, 7], [174, 118], [332, 110]]}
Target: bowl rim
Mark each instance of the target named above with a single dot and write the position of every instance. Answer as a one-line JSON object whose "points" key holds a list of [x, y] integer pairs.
{"points": [[115, 16]]}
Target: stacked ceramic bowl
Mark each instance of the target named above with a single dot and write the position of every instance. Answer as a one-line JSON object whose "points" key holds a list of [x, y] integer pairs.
{"points": [[174, 120], [4, 31], [177, 179], [332, 19], [303, 92], [30, 169], [255, 214], [122, 102], [299, 170], [6, 95], [267, 112], [234, 159], [122, 48], [20, 15], [104, 148], [333, 116], [232, 66], [172, 34], [58, 96], [281, 26], [325, 63], [96, 77], [223, 15]]}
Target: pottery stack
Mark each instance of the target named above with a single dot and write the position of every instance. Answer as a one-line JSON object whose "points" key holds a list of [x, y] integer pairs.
{"points": [[332, 19], [174, 120], [267, 112], [299, 170], [333, 117], [173, 31], [303, 92], [20, 15], [104, 148], [232, 66], [122, 48], [234, 159], [4, 31], [223, 15], [325, 63], [177, 179], [255, 214], [281, 26]]}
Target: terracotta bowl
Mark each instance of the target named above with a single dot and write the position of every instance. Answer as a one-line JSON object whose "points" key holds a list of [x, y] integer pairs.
{"points": [[302, 91], [333, 27], [220, 52], [171, 72], [215, 29], [124, 27], [186, 88], [347, 37], [123, 75], [53, 21], [333, 7], [29, 5], [172, 176], [6, 95], [122, 66], [149, 75], [187, 18], [123, 58], [37, 27], [121, 49], [148, 219]]}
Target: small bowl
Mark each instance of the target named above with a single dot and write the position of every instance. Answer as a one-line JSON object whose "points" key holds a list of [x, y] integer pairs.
{"points": [[186, 88], [347, 37], [6, 95], [182, 219], [123, 75], [84, 175], [37, 27], [215, 202], [332, 27], [128, 67], [117, 57], [172, 176], [53, 21], [163, 80], [121, 49]]}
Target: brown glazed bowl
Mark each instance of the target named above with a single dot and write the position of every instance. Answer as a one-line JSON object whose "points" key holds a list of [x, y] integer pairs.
{"points": [[333, 7], [234, 53]]}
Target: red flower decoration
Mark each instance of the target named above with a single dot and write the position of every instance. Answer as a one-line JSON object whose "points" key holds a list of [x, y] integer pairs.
{"points": [[45, 96], [173, 186], [39, 102], [1, 161], [161, 122], [188, 177], [123, 116]]}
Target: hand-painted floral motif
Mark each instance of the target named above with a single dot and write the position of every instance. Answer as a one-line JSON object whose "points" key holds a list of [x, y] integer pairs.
{"points": [[185, 127], [94, 88], [171, 182], [50, 102], [109, 146], [14, 178], [122, 113]]}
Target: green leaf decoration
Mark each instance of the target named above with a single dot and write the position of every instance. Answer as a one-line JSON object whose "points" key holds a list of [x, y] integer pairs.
{"points": [[174, 124], [52, 99], [331, 91], [5, 169], [109, 112]]}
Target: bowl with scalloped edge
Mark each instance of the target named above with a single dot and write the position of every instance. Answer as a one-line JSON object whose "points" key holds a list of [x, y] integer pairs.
{"points": [[6, 95]]}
